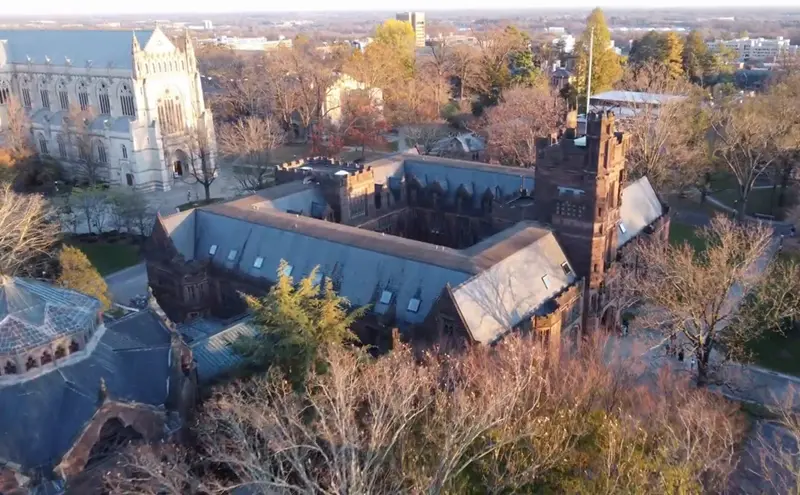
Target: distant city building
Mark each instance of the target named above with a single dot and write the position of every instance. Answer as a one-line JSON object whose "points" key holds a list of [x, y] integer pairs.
{"points": [[755, 48], [208, 25], [253, 44], [138, 94], [417, 21], [556, 30], [567, 41]]}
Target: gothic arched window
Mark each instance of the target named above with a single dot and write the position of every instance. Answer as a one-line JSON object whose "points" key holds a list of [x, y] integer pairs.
{"points": [[60, 352], [31, 363], [74, 347], [83, 95], [45, 94], [103, 98], [170, 115], [43, 145], [26, 93], [5, 92], [10, 368], [124, 152], [102, 156], [46, 358], [63, 95], [62, 147], [126, 101]]}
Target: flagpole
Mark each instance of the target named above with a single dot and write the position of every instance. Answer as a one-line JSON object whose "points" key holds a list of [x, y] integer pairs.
{"points": [[589, 76]]}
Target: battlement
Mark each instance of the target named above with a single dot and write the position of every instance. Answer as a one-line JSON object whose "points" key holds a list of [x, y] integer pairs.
{"points": [[321, 168]]}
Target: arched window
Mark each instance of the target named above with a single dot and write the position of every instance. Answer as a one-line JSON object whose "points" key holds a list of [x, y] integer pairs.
{"points": [[83, 95], [102, 156], [124, 152], [46, 358], [31, 363], [5, 92], [126, 101], [10, 368], [103, 99], [45, 94], [43, 145], [60, 352], [62, 147], [26, 92], [63, 95], [74, 347], [83, 150], [170, 115]]}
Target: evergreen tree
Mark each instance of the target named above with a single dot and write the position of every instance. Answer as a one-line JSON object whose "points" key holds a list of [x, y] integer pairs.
{"points": [[606, 67], [78, 274], [673, 54], [296, 322], [696, 59], [663, 49]]}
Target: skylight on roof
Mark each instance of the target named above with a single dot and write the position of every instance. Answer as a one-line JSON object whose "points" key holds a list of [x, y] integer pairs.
{"points": [[212, 250], [258, 262], [622, 228], [386, 297], [567, 269], [287, 270], [413, 305], [546, 282], [232, 254]]}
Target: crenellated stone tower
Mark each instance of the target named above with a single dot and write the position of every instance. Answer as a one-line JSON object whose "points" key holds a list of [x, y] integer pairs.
{"points": [[578, 190]]}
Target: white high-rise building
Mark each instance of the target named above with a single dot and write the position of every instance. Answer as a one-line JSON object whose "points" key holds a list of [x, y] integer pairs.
{"points": [[417, 21], [140, 90], [755, 48], [208, 25]]}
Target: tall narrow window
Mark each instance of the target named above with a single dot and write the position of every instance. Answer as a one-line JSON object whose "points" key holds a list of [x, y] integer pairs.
{"points": [[102, 157], [124, 152], [63, 95], [126, 101], [103, 99], [43, 145], [62, 147], [5, 92], [45, 98], [83, 96], [26, 97]]}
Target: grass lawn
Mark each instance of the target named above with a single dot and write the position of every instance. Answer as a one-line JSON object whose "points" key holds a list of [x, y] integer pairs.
{"points": [[762, 201], [777, 352], [682, 232], [109, 258]]}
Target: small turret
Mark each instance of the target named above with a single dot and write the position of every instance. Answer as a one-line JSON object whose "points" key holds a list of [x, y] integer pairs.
{"points": [[135, 44]]}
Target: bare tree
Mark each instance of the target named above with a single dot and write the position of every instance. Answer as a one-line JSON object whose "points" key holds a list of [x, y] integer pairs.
{"points": [[202, 163], [131, 211], [90, 203], [693, 298], [669, 143], [517, 126], [250, 142], [426, 136], [15, 134], [27, 232], [751, 134], [77, 125]]}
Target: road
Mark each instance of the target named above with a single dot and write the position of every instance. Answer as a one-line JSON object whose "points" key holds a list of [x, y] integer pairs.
{"points": [[127, 283]]}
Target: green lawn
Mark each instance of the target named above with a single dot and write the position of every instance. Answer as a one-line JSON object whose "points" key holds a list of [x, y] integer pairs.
{"points": [[109, 258], [680, 233], [777, 352], [763, 201]]}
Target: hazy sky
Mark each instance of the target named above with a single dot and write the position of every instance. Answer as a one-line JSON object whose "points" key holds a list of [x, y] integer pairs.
{"points": [[80, 7]]}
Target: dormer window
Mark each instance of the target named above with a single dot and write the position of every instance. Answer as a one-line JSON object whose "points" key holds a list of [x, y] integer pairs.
{"points": [[258, 262], [546, 282], [386, 297], [413, 305], [622, 228], [287, 270], [232, 254], [212, 250], [567, 270]]}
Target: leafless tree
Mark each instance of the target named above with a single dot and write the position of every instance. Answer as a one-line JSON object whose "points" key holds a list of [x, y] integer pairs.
{"points": [[426, 136], [751, 134], [776, 449], [77, 125], [27, 232], [202, 163], [669, 143], [131, 211], [250, 142], [15, 132], [695, 297], [517, 126], [90, 205]]}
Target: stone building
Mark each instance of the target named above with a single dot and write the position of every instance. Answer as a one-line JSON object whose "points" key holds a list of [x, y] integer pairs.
{"points": [[433, 246], [137, 96], [72, 388]]}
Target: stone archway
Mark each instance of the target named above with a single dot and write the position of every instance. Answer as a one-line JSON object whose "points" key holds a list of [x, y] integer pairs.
{"points": [[114, 435], [179, 163]]}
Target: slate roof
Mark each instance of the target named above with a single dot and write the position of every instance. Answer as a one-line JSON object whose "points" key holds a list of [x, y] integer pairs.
{"points": [[41, 418], [634, 98], [214, 354], [34, 313], [640, 207], [104, 48], [497, 299]]}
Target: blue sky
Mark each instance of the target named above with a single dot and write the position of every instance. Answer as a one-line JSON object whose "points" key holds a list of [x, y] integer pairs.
{"points": [[79, 7]]}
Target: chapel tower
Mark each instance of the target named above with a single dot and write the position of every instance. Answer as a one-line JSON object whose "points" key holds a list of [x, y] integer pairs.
{"points": [[578, 190]]}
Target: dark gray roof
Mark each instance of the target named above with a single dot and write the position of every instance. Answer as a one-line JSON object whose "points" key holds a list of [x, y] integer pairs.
{"points": [[103, 48], [215, 355], [640, 207], [293, 197], [40, 418], [34, 313]]}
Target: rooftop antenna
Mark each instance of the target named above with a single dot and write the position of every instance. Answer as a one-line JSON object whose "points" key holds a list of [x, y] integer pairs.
{"points": [[589, 76]]}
